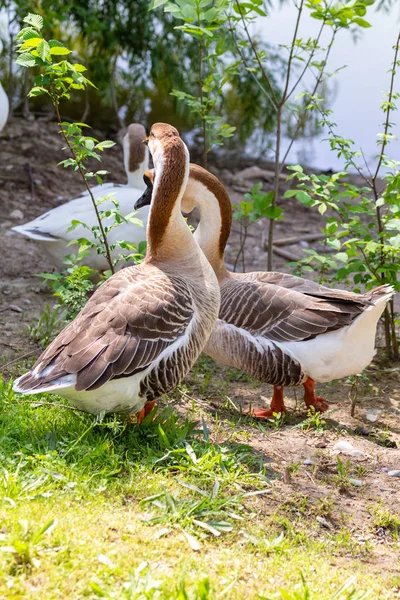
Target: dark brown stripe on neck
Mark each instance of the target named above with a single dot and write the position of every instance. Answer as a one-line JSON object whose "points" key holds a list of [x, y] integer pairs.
{"points": [[214, 185], [167, 187], [136, 147]]}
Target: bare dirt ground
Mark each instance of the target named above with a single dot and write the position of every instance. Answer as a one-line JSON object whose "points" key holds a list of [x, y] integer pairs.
{"points": [[303, 462]]}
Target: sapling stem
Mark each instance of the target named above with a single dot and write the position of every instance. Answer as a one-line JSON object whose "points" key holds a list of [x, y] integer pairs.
{"points": [[82, 174]]}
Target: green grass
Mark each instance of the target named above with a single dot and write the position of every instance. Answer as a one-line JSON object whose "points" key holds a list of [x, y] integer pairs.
{"points": [[93, 508]]}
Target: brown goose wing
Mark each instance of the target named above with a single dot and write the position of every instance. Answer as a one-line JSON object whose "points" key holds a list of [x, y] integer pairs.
{"points": [[312, 288], [282, 314], [125, 326]]}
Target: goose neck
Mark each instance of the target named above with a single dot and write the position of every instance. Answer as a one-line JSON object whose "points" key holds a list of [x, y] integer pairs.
{"points": [[207, 192], [168, 236]]}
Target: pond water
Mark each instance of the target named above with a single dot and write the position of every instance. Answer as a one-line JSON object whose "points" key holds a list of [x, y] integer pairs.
{"points": [[358, 88]]}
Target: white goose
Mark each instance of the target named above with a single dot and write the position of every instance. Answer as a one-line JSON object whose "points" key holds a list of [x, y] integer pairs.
{"points": [[4, 103], [280, 329], [142, 330], [51, 228]]}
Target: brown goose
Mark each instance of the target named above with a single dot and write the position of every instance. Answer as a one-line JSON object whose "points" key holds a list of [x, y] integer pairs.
{"points": [[280, 329], [142, 330]]}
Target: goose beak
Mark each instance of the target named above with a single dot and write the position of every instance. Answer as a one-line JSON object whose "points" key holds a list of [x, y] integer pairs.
{"points": [[145, 198], [146, 141]]}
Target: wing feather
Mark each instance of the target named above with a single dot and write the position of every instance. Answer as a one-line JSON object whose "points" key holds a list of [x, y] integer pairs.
{"points": [[285, 308], [129, 321]]}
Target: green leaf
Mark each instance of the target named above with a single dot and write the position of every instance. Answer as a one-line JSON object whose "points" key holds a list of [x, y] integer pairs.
{"points": [[361, 22], [273, 212], [37, 91], [34, 20], [32, 42], [342, 256], [43, 50], [26, 60], [80, 69], [58, 49], [105, 144], [290, 193], [157, 3]]}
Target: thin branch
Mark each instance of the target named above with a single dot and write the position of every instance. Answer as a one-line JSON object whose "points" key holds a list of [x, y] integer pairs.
{"points": [[365, 162], [244, 60], [114, 93], [341, 145], [311, 56], [203, 120], [317, 84], [53, 404], [254, 49], [10, 362], [387, 122], [289, 65], [106, 246]]}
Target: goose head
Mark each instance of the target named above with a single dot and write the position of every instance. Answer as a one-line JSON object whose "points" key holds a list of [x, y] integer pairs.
{"points": [[162, 141], [136, 155]]}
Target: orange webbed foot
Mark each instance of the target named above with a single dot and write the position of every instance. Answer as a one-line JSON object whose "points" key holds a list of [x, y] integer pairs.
{"points": [[311, 399], [146, 410], [277, 406], [263, 413]]}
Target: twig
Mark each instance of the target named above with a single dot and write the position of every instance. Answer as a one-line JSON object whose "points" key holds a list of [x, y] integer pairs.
{"points": [[310, 477], [284, 95], [316, 86], [10, 362], [308, 61], [29, 170], [295, 239], [231, 402], [110, 263], [387, 121], [53, 404], [113, 92], [242, 56], [254, 49], [284, 254]]}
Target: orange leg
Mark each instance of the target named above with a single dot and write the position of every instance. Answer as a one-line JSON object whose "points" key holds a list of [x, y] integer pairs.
{"points": [[311, 399], [277, 406], [146, 410]]}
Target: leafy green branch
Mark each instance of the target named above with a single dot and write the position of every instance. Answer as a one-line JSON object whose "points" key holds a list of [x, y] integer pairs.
{"points": [[57, 80], [363, 228]]}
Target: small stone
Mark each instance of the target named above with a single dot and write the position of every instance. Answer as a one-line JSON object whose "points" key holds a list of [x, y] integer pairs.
{"points": [[304, 244], [16, 214], [383, 489], [27, 301], [347, 448], [253, 172], [372, 414], [394, 473], [15, 308], [324, 522], [362, 431], [322, 444], [356, 482], [6, 292], [308, 461]]}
